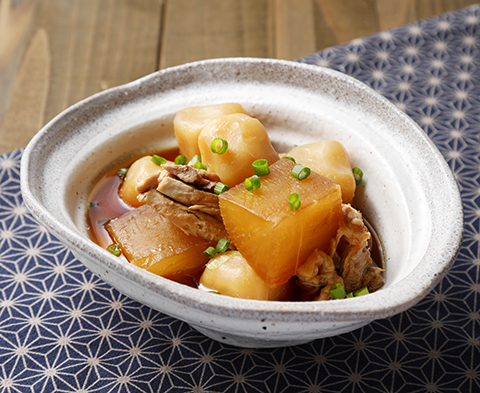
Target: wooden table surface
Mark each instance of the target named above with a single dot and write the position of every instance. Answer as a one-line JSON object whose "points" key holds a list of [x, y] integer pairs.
{"points": [[54, 53]]}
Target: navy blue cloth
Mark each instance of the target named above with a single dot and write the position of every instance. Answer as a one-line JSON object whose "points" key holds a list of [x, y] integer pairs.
{"points": [[64, 330]]}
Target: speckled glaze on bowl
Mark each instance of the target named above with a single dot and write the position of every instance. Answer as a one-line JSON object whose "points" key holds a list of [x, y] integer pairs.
{"points": [[408, 193]]}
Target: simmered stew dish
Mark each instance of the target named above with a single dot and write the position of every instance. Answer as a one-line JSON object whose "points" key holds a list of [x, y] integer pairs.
{"points": [[228, 214]]}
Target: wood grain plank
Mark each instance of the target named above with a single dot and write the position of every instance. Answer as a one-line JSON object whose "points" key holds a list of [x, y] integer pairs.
{"points": [[213, 29], [395, 13], [341, 21], [79, 47], [24, 116], [92, 45], [293, 28], [97, 44], [427, 8]]}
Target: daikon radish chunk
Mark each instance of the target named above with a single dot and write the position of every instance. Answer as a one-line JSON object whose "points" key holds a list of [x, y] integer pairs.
{"points": [[329, 159], [274, 239], [138, 172], [190, 121], [231, 275], [247, 141], [152, 242]]}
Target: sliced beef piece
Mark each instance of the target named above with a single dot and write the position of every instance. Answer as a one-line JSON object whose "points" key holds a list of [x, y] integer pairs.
{"points": [[184, 195], [188, 195], [347, 261], [190, 221], [198, 177], [351, 254], [319, 271]]}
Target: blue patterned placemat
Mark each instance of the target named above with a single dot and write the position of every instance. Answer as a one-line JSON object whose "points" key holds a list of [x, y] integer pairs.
{"points": [[64, 330]]}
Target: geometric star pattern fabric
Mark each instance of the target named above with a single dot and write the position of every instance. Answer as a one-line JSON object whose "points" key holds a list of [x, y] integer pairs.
{"points": [[64, 330]]}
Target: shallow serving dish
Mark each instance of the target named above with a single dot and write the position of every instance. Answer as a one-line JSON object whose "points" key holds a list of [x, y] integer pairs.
{"points": [[409, 194]]}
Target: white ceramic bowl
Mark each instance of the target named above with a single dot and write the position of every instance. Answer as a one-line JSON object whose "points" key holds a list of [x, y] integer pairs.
{"points": [[409, 193]]}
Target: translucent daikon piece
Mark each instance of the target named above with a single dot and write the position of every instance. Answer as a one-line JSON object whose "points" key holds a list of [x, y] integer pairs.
{"points": [[274, 239], [152, 242]]}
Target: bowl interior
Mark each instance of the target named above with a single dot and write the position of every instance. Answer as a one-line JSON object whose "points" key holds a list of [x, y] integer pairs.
{"points": [[297, 104]]}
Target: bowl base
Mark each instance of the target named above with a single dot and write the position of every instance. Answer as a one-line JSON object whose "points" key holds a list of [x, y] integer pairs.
{"points": [[246, 342], [263, 342]]}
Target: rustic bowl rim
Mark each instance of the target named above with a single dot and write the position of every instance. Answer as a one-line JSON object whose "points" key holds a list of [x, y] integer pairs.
{"points": [[380, 304]]}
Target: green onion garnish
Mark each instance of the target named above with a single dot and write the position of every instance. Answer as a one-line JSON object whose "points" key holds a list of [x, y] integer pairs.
{"points": [[103, 221], [361, 292], [196, 158], [220, 187], [157, 160], [290, 158], [260, 167], [337, 291], [222, 245], [210, 252], [115, 249], [358, 175], [93, 205], [300, 172], [180, 160], [223, 147], [199, 165], [294, 201], [122, 173], [349, 294], [252, 183]]}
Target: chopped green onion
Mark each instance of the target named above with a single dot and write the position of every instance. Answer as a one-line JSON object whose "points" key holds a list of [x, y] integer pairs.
{"points": [[252, 183], [290, 158], [199, 165], [358, 175], [300, 172], [260, 167], [349, 294], [157, 160], [361, 292], [180, 160], [122, 173], [115, 249], [337, 291], [210, 252], [294, 201], [222, 245], [93, 205], [196, 158], [220, 187], [214, 146], [103, 221], [294, 146]]}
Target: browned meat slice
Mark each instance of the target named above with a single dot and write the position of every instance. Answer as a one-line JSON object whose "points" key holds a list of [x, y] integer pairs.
{"points": [[189, 174], [348, 260], [351, 253], [319, 271], [190, 221], [188, 195]]}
